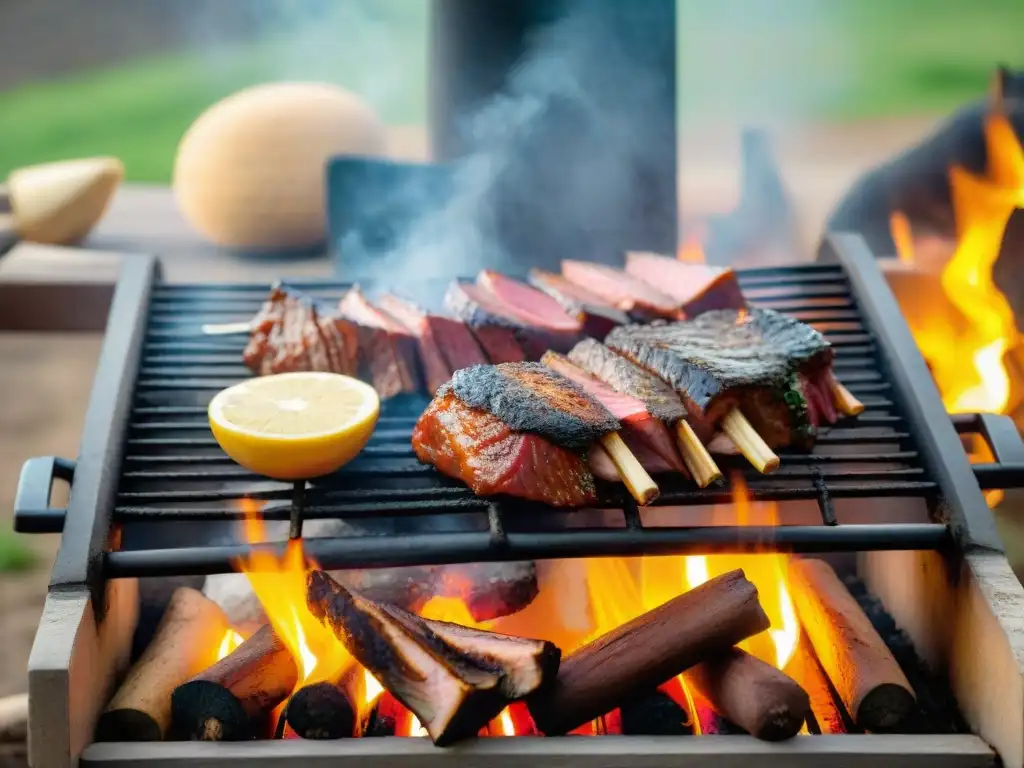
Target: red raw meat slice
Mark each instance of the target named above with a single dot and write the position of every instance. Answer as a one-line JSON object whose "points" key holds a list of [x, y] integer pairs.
{"points": [[532, 307], [621, 290], [696, 287]]}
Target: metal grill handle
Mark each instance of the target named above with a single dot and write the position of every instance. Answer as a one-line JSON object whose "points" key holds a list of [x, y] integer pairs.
{"points": [[1004, 441], [32, 510]]}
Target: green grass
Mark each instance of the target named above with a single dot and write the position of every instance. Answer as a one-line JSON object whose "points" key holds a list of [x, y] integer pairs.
{"points": [[15, 553], [798, 59]]}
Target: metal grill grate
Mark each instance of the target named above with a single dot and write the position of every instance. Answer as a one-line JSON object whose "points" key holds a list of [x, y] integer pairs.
{"points": [[173, 469]]}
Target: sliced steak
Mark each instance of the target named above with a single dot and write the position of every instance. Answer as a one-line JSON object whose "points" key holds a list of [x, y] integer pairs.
{"points": [[758, 359], [621, 290], [596, 316], [530, 397], [639, 426], [495, 327], [388, 353], [478, 448], [534, 308], [445, 344], [696, 287]]}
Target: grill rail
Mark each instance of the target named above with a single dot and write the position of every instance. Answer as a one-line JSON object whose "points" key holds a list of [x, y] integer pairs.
{"points": [[148, 458]]}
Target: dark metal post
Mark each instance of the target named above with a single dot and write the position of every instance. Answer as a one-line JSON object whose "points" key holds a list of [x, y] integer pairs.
{"points": [[585, 139]]}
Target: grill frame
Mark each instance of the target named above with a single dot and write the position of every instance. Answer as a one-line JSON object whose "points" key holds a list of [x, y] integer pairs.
{"points": [[84, 557]]}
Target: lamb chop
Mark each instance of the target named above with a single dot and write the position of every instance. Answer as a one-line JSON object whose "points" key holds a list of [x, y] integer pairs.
{"points": [[596, 316], [445, 344], [622, 290], [733, 365], [697, 287], [518, 428], [657, 397], [645, 435], [387, 350], [289, 334]]}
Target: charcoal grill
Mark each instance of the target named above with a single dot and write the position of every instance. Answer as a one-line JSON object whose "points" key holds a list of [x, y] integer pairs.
{"points": [[149, 470]]}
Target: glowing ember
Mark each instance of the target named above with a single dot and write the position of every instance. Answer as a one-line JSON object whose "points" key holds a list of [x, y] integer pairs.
{"points": [[416, 728], [505, 725], [230, 642]]}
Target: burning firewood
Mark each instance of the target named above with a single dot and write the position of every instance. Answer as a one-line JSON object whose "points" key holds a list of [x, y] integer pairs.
{"points": [[222, 703], [325, 710], [188, 635], [756, 696], [454, 679], [867, 678], [649, 650]]}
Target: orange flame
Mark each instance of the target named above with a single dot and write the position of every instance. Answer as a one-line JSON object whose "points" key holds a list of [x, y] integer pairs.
{"points": [[768, 573], [229, 643], [691, 251], [902, 236], [968, 365], [280, 585]]}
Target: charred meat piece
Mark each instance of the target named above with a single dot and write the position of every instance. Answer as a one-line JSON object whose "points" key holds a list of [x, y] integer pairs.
{"points": [[621, 290], [445, 344], [530, 397], [489, 321], [629, 378], [478, 448], [490, 590], [289, 334], [596, 316], [640, 429], [697, 287], [387, 350], [758, 359], [454, 679]]}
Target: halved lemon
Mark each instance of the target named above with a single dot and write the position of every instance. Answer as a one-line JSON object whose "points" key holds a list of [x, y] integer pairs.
{"points": [[294, 426]]}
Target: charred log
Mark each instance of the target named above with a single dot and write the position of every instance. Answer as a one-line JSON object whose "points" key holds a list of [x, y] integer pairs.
{"points": [[649, 650], [224, 702]]}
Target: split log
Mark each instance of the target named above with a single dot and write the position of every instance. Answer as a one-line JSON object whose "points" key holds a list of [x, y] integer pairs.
{"points": [[222, 703], [754, 695], [649, 650], [453, 678], [327, 710], [185, 642], [867, 678]]}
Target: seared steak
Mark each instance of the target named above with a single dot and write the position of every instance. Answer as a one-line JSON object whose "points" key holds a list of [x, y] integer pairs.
{"points": [[621, 290], [638, 425], [288, 334], [445, 344], [533, 307], [757, 358], [387, 350], [596, 315], [697, 287], [530, 397], [480, 449]]}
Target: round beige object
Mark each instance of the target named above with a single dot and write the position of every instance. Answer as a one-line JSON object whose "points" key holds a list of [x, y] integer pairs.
{"points": [[250, 170]]}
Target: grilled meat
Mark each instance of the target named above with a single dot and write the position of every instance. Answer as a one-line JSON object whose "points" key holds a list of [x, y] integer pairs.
{"points": [[758, 359], [387, 350], [445, 344], [697, 287], [489, 321], [290, 335], [629, 378], [532, 307], [640, 429], [530, 397], [621, 290], [478, 448], [596, 316]]}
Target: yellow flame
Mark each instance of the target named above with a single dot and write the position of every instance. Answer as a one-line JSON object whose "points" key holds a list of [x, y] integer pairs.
{"points": [[230, 642], [505, 723]]}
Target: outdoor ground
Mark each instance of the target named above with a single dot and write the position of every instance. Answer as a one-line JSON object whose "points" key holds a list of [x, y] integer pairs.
{"points": [[870, 68]]}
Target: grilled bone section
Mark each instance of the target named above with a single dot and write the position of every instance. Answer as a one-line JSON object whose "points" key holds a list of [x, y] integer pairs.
{"points": [[455, 680], [757, 358]]}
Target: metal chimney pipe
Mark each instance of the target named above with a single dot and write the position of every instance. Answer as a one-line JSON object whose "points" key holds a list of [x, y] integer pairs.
{"points": [[596, 174]]}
